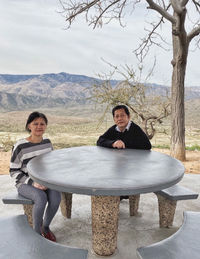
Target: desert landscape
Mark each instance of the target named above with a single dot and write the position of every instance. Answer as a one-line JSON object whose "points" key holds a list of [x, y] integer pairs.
{"points": [[76, 126]]}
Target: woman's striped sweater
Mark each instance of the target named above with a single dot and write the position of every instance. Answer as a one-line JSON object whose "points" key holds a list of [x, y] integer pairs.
{"points": [[23, 151]]}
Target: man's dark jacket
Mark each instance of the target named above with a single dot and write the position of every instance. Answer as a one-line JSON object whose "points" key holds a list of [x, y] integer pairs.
{"points": [[133, 138]]}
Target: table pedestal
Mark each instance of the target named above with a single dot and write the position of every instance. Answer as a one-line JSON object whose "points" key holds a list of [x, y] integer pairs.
{"points": [[105, 210], [134, 204], [66, 204]]}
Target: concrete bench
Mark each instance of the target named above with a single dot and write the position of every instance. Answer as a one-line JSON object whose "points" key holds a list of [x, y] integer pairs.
{"points": [[183, 244], [15, 198], [19, 240], [167, 200]]}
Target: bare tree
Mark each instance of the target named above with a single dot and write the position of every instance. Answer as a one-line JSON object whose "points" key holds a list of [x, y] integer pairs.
{"points": [[177, 13], [149, 108]]}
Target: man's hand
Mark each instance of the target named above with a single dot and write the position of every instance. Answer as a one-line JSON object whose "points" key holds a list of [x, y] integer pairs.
{"points": [[39, 186], [118, 144]]}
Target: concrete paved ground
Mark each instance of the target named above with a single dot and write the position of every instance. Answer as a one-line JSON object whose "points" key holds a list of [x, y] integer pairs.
{"points": [[133, 231]]}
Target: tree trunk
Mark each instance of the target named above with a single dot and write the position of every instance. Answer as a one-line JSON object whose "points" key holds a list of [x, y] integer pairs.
{"points": [[179, 62], [178, 114]]}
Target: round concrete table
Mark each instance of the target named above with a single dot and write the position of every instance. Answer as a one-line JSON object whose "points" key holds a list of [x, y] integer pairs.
{"points": [[105, 174]]}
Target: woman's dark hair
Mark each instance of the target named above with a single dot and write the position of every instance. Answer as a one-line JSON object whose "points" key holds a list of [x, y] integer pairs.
{"points": [[33, 116], [118, 107]]}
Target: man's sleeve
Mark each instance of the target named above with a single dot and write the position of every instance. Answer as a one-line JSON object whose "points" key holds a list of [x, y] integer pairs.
{"points": [[106, 140], [141, 140]]}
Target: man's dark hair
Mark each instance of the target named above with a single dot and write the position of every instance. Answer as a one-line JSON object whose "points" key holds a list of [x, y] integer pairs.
{"points": [[33, 116], [120, 107]]}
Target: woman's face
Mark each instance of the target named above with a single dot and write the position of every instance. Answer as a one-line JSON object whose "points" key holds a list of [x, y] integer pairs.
{"points": [[37, 127]]}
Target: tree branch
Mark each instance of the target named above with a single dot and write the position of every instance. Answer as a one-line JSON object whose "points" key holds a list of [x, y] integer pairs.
{"points": [[177, 6], [184, 3], [98, 10], [143, 48], [162, 11], [108, 7], [195, 32], [197, 4], [74, 9]]}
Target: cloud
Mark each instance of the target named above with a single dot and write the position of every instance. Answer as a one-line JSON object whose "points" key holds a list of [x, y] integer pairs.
{"points": [[34, 41]]}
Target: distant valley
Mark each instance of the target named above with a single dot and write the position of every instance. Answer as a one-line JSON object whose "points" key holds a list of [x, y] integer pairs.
{"points": [[18, 92]]}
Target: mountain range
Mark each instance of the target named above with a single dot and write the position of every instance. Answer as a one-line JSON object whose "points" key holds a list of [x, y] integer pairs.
{"points": [[19, 92]]}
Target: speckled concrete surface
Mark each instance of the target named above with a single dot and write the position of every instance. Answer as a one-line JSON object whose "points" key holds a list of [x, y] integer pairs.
{"points": [[140, 230]]}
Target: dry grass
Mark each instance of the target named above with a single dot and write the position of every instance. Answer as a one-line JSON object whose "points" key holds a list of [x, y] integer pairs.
{"points": [[77, 126]]}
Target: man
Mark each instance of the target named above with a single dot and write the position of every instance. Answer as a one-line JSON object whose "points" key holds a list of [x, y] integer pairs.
{"points": [[125, 133]]}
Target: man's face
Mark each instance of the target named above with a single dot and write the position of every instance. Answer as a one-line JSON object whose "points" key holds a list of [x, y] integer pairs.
{"points": [[121, 119]]}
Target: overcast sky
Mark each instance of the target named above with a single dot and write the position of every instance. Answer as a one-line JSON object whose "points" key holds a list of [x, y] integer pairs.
{"points": [[34, 40]]}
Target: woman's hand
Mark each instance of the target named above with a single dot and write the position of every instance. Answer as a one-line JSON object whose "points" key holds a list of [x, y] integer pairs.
{"points": [[39, 186]]}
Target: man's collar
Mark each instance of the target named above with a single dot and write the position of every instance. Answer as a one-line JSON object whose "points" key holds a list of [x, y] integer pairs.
{"points": [[127, 127]]}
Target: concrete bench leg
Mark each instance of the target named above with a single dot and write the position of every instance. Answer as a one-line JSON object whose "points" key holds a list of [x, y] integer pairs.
{"points": [[66, 204], [105, 210], [134, 204], [166, 211], [28, 212]]}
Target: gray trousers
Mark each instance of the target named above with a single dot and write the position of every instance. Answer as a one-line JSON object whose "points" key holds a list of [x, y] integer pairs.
{"points": [[48, 199]]}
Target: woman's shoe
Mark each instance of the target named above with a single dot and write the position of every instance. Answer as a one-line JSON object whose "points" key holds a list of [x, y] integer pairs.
{"points": [[49, 235]]}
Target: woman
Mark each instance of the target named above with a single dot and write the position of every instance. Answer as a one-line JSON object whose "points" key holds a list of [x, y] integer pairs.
{"points": [[23, 151]]}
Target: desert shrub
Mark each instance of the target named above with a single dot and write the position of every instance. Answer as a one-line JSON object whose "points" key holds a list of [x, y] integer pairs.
{"points": [[193, 147], [6, 143]]}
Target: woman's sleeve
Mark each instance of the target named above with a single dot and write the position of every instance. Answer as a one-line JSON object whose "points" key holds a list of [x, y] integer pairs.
{"points": [[16, 166]]}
